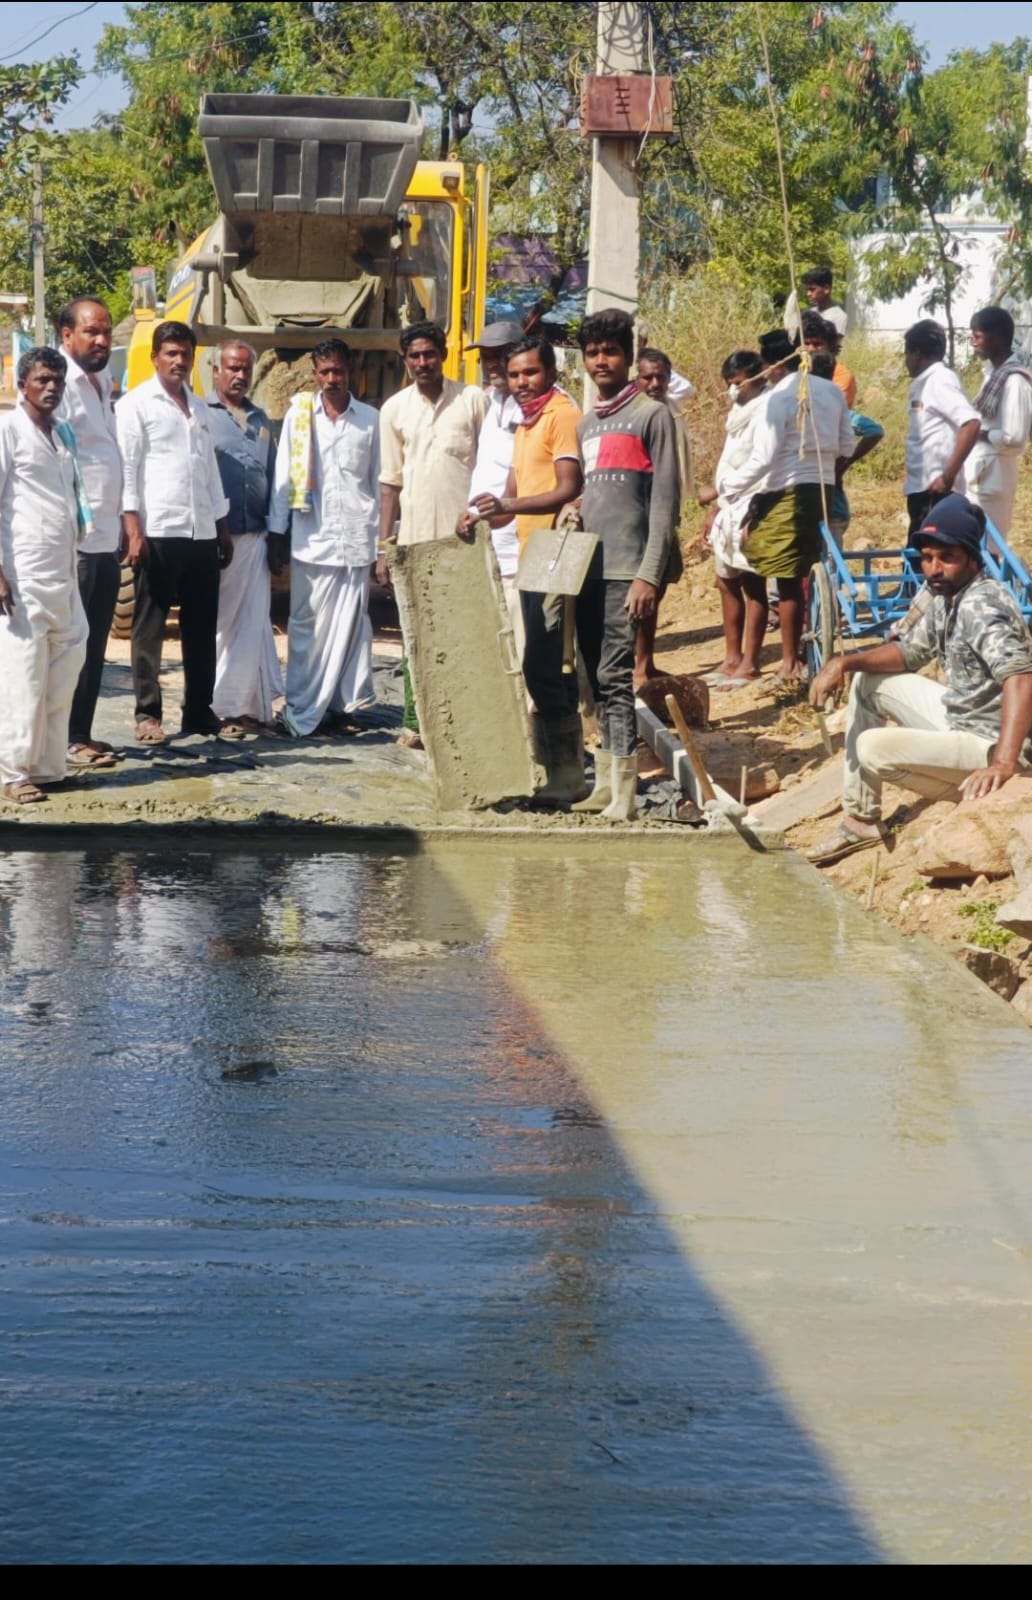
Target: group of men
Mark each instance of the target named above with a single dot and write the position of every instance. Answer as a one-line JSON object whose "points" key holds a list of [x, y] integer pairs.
{"points": [[203, 503], [791, 438]]}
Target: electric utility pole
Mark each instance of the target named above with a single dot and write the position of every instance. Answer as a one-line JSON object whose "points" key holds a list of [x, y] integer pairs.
{"points": [[613, 238]]}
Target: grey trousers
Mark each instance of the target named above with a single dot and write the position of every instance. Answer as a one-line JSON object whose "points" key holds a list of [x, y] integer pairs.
{"points": [[606, 636]]}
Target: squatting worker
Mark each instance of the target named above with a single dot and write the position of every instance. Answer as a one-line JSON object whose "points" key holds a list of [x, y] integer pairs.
{"points": [[959, 739], [632, 501], [794, 457], [247, 670], [85, 328], [429, 434], [494, 457], [943, 427], [328, 489], [1004, 404], [655, 376], [177, 530], [42, 623], [545, 476]]}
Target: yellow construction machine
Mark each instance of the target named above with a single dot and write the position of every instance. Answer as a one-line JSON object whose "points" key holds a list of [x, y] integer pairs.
{"points": [[328, 224]]}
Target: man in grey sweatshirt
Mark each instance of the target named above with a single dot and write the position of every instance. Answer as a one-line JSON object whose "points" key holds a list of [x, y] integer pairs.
{"points": [[632, 501]]}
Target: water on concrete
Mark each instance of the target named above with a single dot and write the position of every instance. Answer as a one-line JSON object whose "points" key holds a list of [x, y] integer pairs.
{"points": [[496, 1202]]}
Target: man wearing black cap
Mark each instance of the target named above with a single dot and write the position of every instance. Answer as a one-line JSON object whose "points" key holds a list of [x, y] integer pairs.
{"points": [[959, 739], [494, 454]]}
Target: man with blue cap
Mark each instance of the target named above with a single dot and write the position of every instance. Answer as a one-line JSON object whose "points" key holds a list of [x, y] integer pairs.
{"points": [[962, 738]]}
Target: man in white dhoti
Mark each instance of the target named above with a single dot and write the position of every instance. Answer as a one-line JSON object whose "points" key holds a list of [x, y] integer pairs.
{"points": [[1004, 404], [42, 623], [247, 670], [327, 488]]}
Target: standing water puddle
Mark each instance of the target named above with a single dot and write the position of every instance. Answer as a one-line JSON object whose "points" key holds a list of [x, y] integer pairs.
{"points": [[499, 1202]]}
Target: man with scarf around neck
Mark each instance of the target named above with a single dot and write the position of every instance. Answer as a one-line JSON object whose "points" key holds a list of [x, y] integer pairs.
{"points": [[631, 501], [545, 476], [1004, 404]]}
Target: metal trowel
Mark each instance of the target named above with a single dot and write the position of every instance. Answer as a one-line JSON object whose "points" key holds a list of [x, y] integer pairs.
{"points": [[557, 561]]}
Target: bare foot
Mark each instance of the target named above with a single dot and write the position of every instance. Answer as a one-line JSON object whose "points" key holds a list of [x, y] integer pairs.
{"points": [[791, 672]]}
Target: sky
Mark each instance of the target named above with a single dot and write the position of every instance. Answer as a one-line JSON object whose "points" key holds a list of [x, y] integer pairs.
{"points": [[941, 25]]}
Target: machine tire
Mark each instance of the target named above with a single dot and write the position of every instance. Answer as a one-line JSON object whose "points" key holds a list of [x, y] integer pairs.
{"points": [[122, 625], [821, 620]]}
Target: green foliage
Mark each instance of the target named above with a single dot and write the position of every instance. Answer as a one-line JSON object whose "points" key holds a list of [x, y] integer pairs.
{"points": [[941, 140], [29, 98], [501, 82], [985, 932]]}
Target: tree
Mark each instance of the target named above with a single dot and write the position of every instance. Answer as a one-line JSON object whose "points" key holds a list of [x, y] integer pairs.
{"points": [[940, 140], [714, 194], [29, 97]]}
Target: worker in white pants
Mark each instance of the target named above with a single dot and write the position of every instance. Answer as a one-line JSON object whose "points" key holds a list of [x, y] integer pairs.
{"points": [[921, 753], [43, 627], [1004, 404], [963, 738], [327, 489], [247, 671]]}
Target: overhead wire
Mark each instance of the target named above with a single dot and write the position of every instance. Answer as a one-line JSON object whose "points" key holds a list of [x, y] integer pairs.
{"points": [[47, 31]]}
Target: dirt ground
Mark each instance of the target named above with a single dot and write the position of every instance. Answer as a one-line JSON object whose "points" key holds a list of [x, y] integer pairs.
{"points": [[766, 723]]}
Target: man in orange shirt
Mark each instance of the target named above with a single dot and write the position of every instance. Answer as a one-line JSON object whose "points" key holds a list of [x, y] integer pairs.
{"points": [[823, 338], [545, 476]]}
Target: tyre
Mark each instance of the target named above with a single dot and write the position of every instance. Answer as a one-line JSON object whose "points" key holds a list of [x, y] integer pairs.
{"points": [[821, 620], [122, 626]]}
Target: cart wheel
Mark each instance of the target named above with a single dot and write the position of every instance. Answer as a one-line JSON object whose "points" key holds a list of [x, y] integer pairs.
{"points": [[122, 626], [821, 620]]}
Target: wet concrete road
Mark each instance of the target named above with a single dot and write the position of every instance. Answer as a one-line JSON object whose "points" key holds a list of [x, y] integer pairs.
{"points": [[502, 1202]]}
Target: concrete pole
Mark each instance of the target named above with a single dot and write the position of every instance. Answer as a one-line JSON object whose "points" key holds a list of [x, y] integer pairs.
{"points": [[613, 235], [38, 275]]}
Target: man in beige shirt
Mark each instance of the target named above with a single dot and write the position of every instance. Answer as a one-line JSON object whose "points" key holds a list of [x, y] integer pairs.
{"points": [[429, 433]]}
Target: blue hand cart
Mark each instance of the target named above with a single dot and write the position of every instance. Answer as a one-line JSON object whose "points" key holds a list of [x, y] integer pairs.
{"points": [[864, 594]]}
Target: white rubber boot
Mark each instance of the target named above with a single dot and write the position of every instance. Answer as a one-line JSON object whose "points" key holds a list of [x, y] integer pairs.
{"points": [[624, 807]]}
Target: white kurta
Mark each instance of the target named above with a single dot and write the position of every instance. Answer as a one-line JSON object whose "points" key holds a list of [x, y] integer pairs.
{"points": [[993, 465], [43, 645], [247, 669], [333, 547]]}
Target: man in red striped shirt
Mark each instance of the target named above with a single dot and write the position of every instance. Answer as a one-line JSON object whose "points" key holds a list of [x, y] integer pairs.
{"points": [[631, 500]]}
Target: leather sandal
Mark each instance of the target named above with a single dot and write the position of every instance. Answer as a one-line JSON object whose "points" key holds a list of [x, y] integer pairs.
{"points": [[23, 792], [150, 731]]}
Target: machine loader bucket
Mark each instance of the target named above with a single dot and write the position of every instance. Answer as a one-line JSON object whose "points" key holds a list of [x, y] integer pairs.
{"points": [[316, 155]]}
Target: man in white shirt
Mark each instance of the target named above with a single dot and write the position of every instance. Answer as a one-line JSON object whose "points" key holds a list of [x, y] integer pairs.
{"points": [[944, 425], [42, 624], [328, 489], [817, 287], [1004, 404], [429, 434], [85, 328], [175, 514], [494, 454], [795, 460]]}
